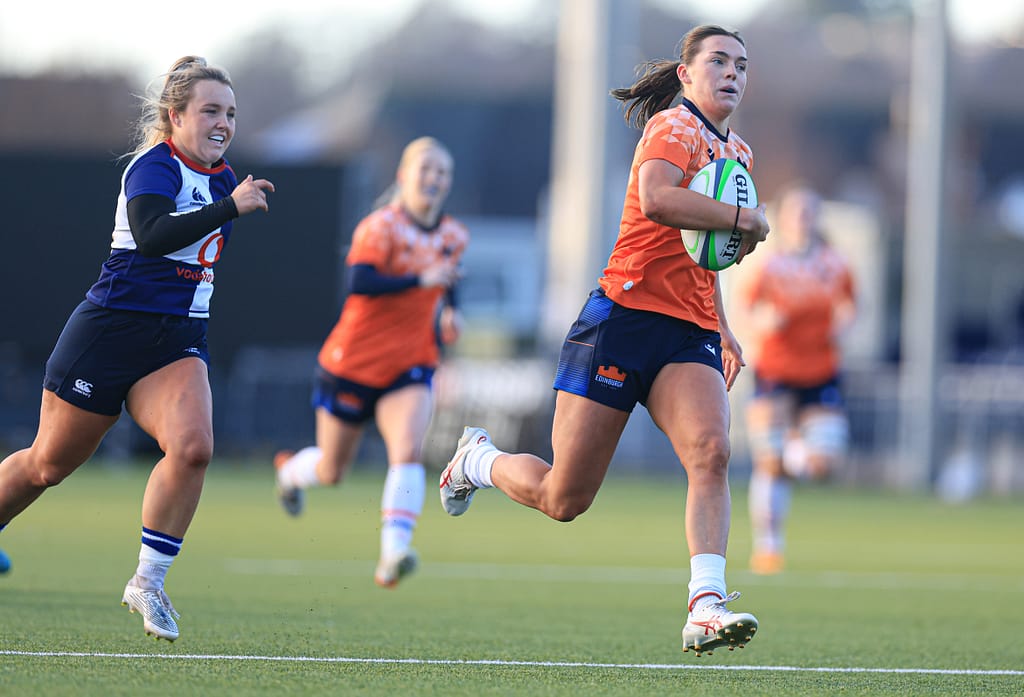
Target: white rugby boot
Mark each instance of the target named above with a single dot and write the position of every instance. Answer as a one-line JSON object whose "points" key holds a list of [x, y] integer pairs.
{"points": [[158, 614], [456, 490], [711, 625]]}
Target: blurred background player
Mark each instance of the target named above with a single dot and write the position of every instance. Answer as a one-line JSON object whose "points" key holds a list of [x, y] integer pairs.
{"points": [[654, 332], [797, 298], [138, 340], [379, 361]]}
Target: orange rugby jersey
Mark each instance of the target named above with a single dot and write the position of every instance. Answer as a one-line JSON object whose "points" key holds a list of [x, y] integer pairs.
{"points": [[803, 289], [377, 338], [649, 268]]}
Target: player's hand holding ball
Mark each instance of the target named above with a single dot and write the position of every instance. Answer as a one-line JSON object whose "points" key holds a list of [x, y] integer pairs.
{"points": [[727, 181]]}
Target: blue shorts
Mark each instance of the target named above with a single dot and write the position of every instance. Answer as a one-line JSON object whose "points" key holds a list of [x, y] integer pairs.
{"points": [[612, 354], [825, 394], [101, 353], [355, 403]]}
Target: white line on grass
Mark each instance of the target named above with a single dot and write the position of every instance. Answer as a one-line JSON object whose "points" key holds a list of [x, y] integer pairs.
{"points": [[634, 575], [529, 664]]}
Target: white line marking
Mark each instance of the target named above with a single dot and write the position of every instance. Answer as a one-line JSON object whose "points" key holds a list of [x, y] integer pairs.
{"points": [[529, 664], [552, 573]]}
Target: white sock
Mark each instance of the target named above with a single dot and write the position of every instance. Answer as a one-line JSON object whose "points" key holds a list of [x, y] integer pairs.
{"points": [[794, 458], [707, 575], [152, 569], [299, 471], [400, 506], [768, 500], [479, 462]]}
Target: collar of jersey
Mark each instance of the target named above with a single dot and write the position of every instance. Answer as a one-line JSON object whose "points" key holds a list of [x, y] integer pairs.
{"points": [[696, 112], [218, 166]]}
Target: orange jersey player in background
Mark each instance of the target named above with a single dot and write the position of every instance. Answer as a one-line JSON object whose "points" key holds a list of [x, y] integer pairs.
{"points": [[379, 360], [381, 336], [798, 300]]}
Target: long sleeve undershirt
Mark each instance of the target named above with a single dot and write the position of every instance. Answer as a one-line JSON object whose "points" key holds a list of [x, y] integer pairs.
{"points": [[364, 279], [158, 232]]}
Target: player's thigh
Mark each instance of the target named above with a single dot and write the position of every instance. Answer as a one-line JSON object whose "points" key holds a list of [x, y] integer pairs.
{"points": [[174, 406], [67, 435], [403, 416], [337, 439], [584, 436], [769, 421], [770, 411], [689, 403]]}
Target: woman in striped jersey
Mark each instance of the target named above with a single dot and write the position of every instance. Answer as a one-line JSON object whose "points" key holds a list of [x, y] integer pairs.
{"points": [[138, 340]]}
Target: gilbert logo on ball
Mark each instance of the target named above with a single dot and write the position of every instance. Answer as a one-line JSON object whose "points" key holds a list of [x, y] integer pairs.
{"points": [[729, 182]]}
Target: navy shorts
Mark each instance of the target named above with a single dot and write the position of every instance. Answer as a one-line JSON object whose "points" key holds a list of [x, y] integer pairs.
{"points": [[355, 403], [101, 353], [612, 354], [825, 394]]}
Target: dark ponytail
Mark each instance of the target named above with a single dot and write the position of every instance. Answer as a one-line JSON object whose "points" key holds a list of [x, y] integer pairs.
{"points": [[655, 90], [658, 84]]}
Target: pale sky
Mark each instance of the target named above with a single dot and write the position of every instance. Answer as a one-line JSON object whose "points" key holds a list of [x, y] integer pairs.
{"points": [[144, 37]]}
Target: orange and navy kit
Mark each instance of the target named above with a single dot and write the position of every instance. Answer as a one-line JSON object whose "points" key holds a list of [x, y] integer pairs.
{"points": [[804, 290], [654, 305], [381, 337], [648, 268]]}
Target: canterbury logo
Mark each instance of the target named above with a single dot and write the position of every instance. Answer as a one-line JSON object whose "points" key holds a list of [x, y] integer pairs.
{"points": [[197, 196], [83, 388], [610, 375]]}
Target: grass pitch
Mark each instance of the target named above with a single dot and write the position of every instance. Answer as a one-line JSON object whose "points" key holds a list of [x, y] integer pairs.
{"points": [[883, 594]]}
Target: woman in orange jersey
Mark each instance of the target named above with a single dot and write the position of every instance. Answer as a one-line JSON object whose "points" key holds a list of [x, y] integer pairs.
{"points": [[653, 332], [379, 360], [798, 300]]}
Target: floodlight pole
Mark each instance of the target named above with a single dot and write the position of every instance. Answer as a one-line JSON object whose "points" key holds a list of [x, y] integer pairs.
{"points": [[924, 324], [593, 36]]}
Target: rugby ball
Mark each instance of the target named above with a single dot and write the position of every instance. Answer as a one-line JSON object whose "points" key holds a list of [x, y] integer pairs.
{"points": [[729, 182]]}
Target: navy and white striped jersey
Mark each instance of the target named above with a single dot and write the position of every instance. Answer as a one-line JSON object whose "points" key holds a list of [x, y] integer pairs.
{"points": [[181, 282]]}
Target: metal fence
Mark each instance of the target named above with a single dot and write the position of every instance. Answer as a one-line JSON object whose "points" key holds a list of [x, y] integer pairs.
{"points": [[262, 403]]}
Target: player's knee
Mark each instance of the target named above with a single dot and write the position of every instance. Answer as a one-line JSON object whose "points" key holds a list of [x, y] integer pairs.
{"points": [[565, 513], [47, 467], [330, 476], [709, 456], [826, 435], [567, 508], [766, 441], [820, 467], [46, 474], [768, 465], [193, 449]]}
